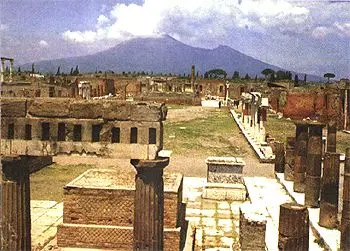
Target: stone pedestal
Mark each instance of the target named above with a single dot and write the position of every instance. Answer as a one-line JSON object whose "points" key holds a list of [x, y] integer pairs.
{"points": [[149, 204], [225, 179], [15, 205]]}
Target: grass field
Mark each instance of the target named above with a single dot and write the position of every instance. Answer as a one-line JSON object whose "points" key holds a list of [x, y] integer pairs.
{"points": [[47, 184], [212, 135], [282, 128]]}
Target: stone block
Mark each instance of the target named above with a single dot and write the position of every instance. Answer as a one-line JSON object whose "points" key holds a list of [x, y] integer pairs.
{"points": [[13, 107], [225, 169], [50, 107], [89, 109], [146, 112], [117, 110], [229, 192]]}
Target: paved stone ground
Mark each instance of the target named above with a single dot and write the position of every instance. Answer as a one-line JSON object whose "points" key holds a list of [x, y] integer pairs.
{"points": [[45, 217]]}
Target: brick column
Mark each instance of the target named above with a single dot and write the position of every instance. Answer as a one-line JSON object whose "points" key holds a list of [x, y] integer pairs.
{"points": [[332, 137], [300, 161], [330, 191], [314, 161], [149, 204], [289, 159], [15, 205], [293, 227], [279, 157], [345, 219]]}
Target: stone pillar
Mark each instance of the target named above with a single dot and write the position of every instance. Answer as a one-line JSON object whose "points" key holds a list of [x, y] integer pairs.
{"points": [[332, 137], [279, 157], [15, 205], [330, 191], [300, 161], [11, 69], [345, 219], [252, 228], [289, 159], [314, 161], [149, 204], [293, 227], [2, 70]]}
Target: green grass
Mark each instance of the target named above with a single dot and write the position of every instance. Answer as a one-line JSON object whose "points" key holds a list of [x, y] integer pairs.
{"points": [[203, 136], [48, 183], [280, 129]]}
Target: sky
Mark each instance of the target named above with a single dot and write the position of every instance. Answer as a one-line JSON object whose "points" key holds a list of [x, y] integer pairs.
{"points": [[308, 36]]}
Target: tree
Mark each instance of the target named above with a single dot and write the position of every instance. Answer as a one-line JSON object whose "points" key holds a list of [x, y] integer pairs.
{"points": [[328, 76], [296, 80], [76, 71], [305, 78], [247, 77], [256, 78], [268, 73], [58, 71], [71, 71], [33, 69], [217, 73], [19, 69], [235, 75]]}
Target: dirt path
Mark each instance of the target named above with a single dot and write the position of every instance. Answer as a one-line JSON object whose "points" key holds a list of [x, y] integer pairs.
{"points": [[188, 165]]}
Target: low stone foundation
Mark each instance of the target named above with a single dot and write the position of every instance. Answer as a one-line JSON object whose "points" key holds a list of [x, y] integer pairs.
{"points": [[99, 211]]}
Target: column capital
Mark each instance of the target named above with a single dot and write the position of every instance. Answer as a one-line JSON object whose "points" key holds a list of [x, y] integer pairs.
{"points": [[159, 163]]}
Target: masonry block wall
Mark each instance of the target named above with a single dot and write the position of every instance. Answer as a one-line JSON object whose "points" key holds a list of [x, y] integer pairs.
{"points": [[111, 128]]}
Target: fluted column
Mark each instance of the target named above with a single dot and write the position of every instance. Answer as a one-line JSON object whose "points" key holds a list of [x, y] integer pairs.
{"points": [[149, 204], [314, 161], [345, 219], [15, 205], [332, 137]]}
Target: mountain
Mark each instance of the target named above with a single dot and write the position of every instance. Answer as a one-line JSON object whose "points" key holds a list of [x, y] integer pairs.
{"points": [[160, 55]]}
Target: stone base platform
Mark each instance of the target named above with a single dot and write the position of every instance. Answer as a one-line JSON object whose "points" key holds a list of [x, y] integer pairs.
{"points": [[221, 191], [112, 237]]}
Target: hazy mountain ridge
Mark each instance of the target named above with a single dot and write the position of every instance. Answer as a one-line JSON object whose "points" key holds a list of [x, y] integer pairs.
{"points": [[161, 55]]}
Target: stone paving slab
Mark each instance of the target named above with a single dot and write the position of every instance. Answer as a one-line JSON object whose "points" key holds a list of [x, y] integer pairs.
{"points": [[45, 217], [331, 237]]}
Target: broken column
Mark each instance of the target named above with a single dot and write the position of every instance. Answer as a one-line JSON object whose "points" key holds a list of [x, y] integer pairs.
{"points": [[331, 136], [300, 160], [289, 159], [293, 227], [15, 205], [330, 191], [345, 219], [149, 204], [252, 227], [314, 161], [279, 157]]}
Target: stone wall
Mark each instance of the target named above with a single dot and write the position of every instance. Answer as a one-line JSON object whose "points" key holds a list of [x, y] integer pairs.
{"points": [[52, 126]]}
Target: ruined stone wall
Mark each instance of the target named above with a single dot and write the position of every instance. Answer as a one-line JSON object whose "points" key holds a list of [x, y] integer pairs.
{"points": [[52, 126], [178, 100], [211, 86], [31, 90]]}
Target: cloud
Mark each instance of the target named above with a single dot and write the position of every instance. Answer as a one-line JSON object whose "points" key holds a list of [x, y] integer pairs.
{"points": [[43, 43], [321, 32], [185, 18], [3, 27], [343, 28]]}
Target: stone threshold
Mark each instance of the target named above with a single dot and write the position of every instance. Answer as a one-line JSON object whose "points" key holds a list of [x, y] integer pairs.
{"points": [[258, 148], [329, 237]]}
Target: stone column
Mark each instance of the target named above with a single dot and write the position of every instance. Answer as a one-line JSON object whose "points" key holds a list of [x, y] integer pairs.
{"points": [[11, 69], [314, 161], [300, 161], [332, 136], [289, 159], [345, 219], [2, 70], [279, 157], [15, 205], [293, 227], [330, 191], [149, 204]]}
